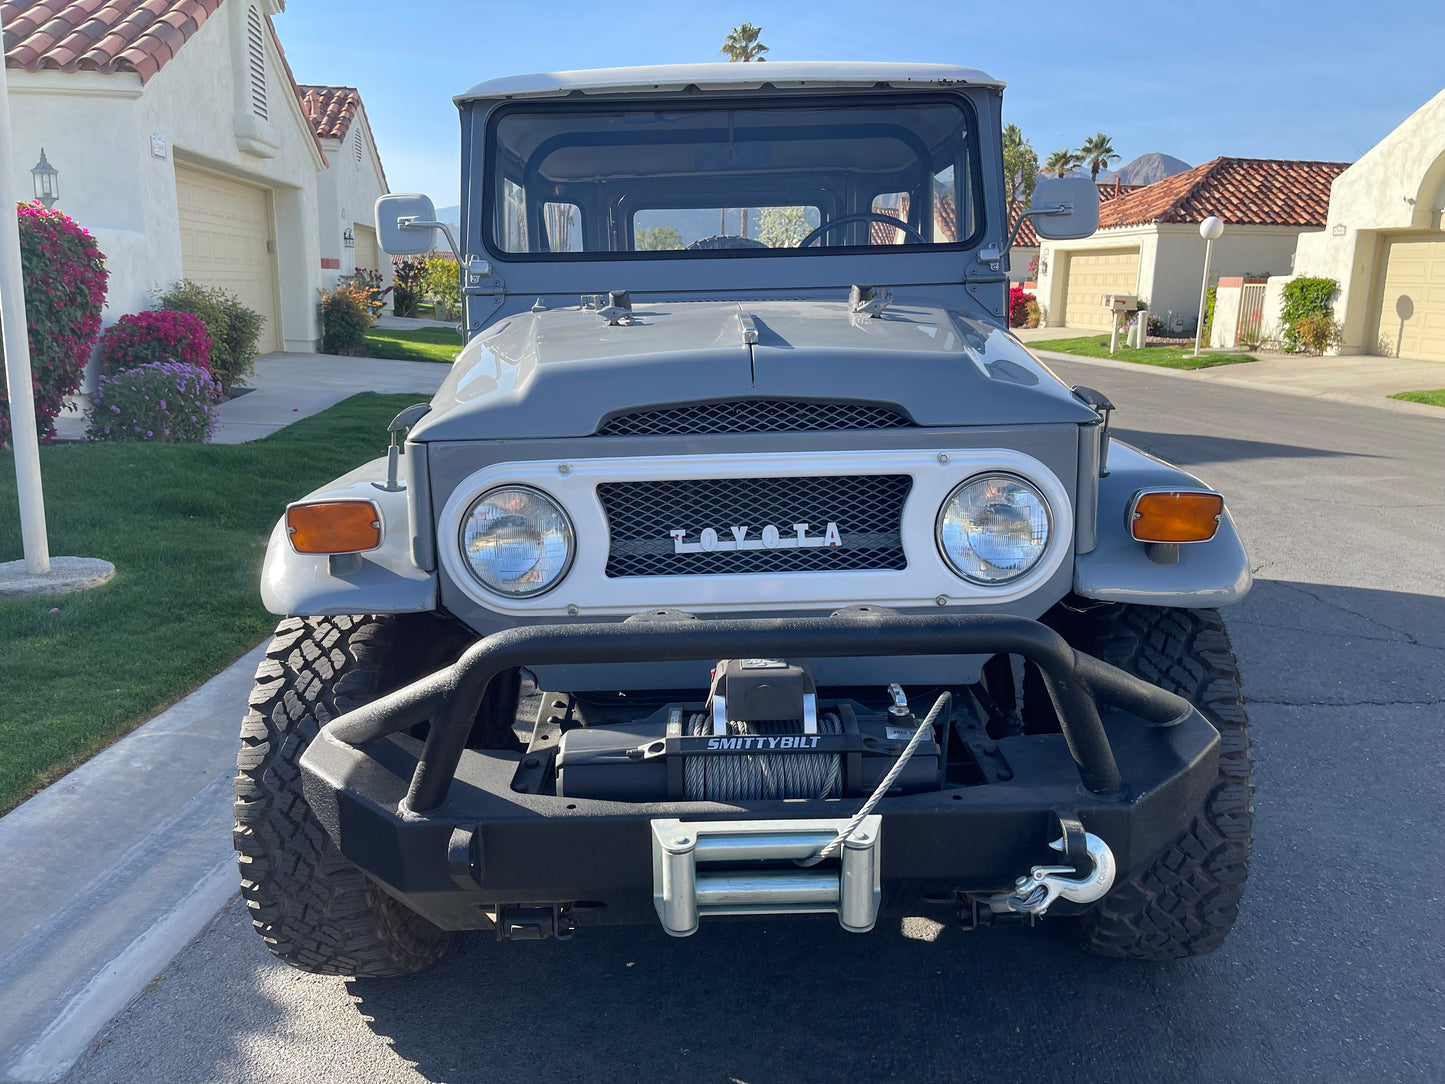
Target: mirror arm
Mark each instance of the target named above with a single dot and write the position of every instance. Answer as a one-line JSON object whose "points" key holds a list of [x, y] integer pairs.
{"points": [[411, 222], [1052, 209]]}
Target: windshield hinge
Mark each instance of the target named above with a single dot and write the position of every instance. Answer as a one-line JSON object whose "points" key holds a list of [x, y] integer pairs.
{"points": [[480, 280]]}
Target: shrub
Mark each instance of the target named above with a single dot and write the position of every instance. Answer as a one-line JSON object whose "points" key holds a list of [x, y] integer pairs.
{"points": [[1155, 326], [1303, 297], [1018, 306], [368, 280], [140, 338], [63, 272], [408, 278], [1035, 315], [1209, 298], [442, 284], [1317, 332], [344, 320], [234, 329], [162, 402]]}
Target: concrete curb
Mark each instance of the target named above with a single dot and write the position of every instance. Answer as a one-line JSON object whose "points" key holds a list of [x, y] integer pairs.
{"points": [[112, 871], [1379, 401]]}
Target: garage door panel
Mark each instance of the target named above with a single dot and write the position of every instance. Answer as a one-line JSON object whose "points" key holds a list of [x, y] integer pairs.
{"points": [[1089, 277], [1410, 310], [225, 230], [366, 249]]}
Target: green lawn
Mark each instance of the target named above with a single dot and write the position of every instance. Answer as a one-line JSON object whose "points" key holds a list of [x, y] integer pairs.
{"points": [[1431, 398], [1171, 357], [420, 344], [185, 526]]}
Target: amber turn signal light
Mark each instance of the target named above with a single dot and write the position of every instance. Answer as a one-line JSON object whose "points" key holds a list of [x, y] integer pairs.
{"points": [[1172, 516], [334, 527]]}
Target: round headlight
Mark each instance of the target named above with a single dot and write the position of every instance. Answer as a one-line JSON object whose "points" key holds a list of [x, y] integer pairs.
{"points": [[517, 541], [994, 528]]}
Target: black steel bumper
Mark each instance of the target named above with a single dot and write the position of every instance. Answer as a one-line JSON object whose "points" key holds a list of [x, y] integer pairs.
{"points": [[440, 826]]}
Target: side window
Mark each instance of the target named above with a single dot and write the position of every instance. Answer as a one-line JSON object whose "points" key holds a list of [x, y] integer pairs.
{"points": [[894, 205], [945, 208], [564, 227], [514, 217]]}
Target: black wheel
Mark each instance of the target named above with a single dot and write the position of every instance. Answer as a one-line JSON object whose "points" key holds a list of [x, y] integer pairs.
{"points": [[1184, 901], [313, 908]]}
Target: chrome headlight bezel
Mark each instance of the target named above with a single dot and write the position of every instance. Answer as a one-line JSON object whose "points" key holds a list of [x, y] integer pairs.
{"points": [[568, 531], [1011, 577]]}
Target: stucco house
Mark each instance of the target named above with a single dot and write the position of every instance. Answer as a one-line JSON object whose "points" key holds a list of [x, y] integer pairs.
{"points": [[347, 189], [181, 144], [1148, 241], [1384, 242]]}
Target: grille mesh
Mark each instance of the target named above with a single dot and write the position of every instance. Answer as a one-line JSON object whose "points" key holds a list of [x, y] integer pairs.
{"points": [[868, 510], [755, 416]]}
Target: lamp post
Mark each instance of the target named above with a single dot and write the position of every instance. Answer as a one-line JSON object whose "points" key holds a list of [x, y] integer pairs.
{"points": [[46, 179], [1210, 229]]}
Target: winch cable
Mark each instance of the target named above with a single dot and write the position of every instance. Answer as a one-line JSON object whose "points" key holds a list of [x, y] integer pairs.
{"points": [[763, 776], [884, 784]]}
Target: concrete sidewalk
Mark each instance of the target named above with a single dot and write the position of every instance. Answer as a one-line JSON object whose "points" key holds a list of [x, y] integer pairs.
{"points": [[1360, 380], [287, 387], [292, 386], [111, 871]]}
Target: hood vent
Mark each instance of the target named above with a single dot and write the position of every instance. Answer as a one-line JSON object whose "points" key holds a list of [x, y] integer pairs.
{"points": [[755, 416]]}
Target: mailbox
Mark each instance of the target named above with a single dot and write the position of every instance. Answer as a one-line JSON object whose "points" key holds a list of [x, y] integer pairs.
{"points": [[1121, 302]]}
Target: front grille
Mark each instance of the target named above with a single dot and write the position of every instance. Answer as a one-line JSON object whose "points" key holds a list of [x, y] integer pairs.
{"points": [[868, 510], [754, 416]]}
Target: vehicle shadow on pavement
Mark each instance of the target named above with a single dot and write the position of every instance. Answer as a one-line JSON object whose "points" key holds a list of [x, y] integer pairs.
{"points": [[796, 1000], [1185, 448]]}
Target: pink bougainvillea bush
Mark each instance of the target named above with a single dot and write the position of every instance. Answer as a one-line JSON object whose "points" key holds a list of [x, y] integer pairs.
{"points": [[1018, 306], [141, 338], [64, 274], [161, 402]]}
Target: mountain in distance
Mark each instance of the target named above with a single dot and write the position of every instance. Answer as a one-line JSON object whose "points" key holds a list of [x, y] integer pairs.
{"points": [[452, 215], [1147, 168]]}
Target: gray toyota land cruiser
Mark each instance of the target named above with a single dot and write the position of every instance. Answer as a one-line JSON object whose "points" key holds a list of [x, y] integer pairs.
{"points": [[745, 563]]}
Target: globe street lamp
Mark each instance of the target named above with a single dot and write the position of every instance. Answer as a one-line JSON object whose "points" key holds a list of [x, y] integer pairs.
{"points": [[46, 179], [1210, 229]]}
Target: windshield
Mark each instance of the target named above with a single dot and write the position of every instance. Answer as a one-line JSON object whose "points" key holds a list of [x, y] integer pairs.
{"points": [[775, 180]]}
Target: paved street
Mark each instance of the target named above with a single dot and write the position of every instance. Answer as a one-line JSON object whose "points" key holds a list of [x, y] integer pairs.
{"points": [[1334, 973]]}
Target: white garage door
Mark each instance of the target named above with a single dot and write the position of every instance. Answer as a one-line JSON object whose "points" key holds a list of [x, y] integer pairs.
{"points": [[1092, 275], [1411, 306], [225, 241], [366, 250]]}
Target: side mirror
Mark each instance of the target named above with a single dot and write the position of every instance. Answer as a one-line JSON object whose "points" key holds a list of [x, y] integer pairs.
{"points": [[1065, 208], [406, 224]]}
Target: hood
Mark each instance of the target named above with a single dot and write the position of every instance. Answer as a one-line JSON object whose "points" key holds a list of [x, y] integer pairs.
{"points": [[564, 372]]}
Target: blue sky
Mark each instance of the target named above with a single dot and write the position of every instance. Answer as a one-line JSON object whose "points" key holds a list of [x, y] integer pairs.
{"points": [[1322, 80]]}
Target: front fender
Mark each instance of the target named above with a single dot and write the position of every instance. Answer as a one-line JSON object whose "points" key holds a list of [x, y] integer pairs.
{"points": [[299, 584], [1207, 574]]}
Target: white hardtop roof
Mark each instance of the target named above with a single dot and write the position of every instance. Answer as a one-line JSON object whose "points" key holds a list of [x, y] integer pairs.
{"points": [[789, 74]]}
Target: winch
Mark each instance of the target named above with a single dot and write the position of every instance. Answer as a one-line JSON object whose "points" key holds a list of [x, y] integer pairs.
{"points": [[763, 733]]}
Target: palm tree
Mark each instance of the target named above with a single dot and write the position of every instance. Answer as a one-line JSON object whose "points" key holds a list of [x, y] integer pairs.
{"points": [[742, 44], [1098, 153], [1061, 163]]}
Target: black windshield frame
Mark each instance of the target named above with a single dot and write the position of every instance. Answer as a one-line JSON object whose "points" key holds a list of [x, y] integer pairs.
{"points": [[970, 187]]}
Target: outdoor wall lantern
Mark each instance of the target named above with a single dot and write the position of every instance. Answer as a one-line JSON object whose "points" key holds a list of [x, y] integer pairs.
{"points": [[46, 179], [348, 238]]}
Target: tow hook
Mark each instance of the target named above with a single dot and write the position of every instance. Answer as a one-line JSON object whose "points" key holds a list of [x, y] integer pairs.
{"points": [[1087, 880]]}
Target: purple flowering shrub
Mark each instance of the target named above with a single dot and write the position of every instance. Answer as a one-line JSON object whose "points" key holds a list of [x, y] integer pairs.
{"points": [[164, 402]]}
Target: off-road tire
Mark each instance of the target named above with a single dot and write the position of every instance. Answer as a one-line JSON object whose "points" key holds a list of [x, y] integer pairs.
{"points": [[1185, 899], [314, 909]]}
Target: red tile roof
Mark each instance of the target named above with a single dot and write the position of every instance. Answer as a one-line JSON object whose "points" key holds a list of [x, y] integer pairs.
{"points": [[99, 35], [1241, 191], [329, 109]]}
